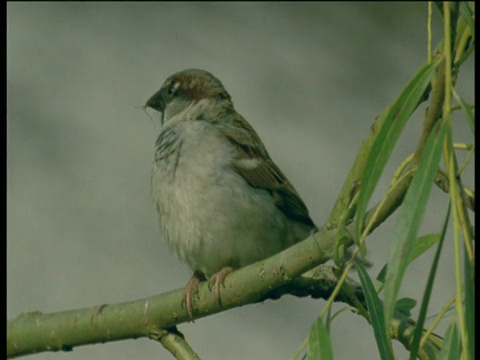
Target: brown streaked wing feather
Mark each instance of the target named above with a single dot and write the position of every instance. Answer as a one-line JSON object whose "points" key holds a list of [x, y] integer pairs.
{"points": [[266, 175]]}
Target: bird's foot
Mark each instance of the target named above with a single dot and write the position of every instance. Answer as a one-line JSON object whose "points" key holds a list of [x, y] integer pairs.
{"points": [[217, 281], [190, 289]]}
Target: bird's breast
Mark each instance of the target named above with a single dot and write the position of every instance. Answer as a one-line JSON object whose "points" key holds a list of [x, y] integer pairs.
{"points": [[208, 213]]}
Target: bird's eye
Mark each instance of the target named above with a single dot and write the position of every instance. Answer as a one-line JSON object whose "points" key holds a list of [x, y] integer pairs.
{"points": [[172, 88]]}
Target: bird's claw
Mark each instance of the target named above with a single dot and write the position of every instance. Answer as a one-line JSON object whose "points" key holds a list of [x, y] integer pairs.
{"points": [[190, 289], [217, 281]]}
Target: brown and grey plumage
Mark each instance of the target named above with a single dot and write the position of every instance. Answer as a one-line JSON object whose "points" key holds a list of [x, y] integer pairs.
{"points": [[222, 201]]}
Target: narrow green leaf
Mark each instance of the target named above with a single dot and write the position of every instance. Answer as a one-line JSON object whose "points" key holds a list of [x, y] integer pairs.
{"points": [[439, 5], [422, 244], [468, 111], [469, 304], [466, 18], [451, 344], [381, 275], [328, 320], [410, 217], [467, 13], [319, 344], [375, 309], [464, 57], [396, 117], [417, 336]]}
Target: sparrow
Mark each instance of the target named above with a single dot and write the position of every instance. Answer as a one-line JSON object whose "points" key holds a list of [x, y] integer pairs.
{"points": [[222, 202]]}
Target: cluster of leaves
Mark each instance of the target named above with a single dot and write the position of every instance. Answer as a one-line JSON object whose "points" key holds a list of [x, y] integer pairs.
{"points": [[421, 171]]}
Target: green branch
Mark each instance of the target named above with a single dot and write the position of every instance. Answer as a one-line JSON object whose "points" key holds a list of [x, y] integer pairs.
{"points": [[175, 343], [37, 332]]}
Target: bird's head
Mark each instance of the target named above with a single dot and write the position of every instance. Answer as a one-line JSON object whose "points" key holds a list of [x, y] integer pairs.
{"points": [[185, 88]]}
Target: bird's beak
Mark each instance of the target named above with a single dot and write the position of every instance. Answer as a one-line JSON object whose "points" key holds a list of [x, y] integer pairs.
{"points": [[156, 101]]}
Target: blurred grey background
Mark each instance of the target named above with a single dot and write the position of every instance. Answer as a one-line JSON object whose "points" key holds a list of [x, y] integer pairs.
{"points": [[310, 77]]}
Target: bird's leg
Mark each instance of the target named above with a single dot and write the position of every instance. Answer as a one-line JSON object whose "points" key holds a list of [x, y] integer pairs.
{"points": [[217, 280], [190, 289]]}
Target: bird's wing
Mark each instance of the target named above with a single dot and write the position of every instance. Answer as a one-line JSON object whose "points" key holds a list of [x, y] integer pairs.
{"points": [[258, 169]]}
